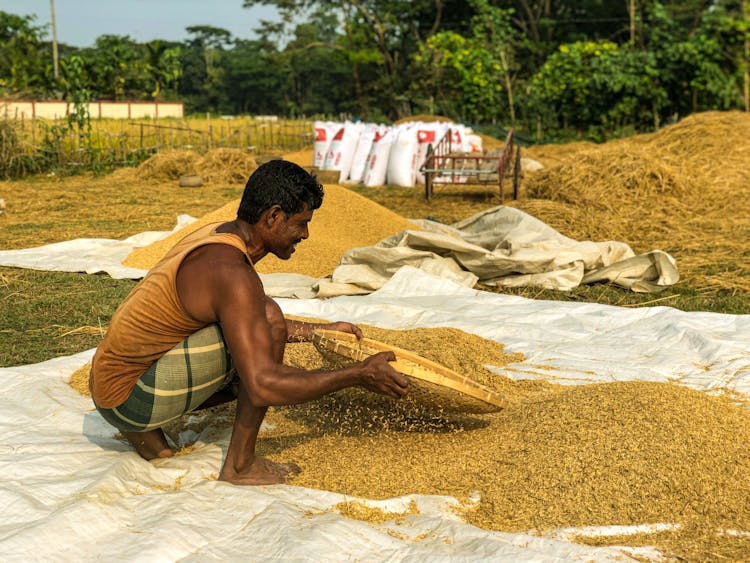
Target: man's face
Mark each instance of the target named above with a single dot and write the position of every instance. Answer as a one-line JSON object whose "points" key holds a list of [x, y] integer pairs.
{"points": [[289, 231]]}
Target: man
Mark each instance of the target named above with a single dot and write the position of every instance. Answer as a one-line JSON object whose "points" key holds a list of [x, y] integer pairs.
{"points": [[198, 330]]}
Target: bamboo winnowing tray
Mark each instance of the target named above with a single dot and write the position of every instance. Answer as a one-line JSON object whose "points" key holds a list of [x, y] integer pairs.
{"points": [[429, 382]]}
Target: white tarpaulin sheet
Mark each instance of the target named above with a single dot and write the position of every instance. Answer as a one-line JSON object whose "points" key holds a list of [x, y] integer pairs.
{"points": [[500, 246], [71, 492], [89, 255]]}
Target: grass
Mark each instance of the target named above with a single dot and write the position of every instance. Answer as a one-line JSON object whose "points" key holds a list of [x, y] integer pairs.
{"points": [[50, 314]]}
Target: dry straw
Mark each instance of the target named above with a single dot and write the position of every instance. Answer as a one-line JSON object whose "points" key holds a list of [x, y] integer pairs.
{"points": [[224, 165], [684, 189], [230, 166], [168, 165]]}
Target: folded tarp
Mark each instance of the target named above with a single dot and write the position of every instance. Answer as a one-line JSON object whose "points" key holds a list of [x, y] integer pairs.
{"points": [[502, 246]]}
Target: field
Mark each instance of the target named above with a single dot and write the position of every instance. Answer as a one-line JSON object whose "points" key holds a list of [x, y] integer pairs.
{"points": [[658, 452], [683, 190]]}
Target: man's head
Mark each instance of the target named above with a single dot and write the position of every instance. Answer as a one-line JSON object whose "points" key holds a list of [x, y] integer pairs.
{"points": [[282, 183]]}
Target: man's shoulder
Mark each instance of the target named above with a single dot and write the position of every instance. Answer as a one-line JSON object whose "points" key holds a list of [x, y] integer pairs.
{"points": [[216, 257]]}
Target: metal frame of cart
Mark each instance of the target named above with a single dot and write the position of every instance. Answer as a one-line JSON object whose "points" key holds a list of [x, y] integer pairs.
{"points": [[444, 165]]}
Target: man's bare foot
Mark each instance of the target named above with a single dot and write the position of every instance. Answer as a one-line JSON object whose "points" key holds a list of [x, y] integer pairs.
{"points": [[261, 472], [150, 445]]}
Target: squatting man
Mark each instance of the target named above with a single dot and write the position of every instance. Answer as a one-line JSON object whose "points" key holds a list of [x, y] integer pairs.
{"points": [[198, 331]]}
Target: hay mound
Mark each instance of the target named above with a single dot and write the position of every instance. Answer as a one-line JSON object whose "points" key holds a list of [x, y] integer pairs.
{"points": [[657, 191], [345, 220], [230, 166], [632, 174], [168, 165]]}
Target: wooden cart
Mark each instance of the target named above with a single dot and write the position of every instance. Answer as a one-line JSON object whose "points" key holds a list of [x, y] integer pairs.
{"points": [[444, 165]]}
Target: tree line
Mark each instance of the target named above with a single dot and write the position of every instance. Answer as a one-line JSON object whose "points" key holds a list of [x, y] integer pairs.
{"points": [[589, 68]]}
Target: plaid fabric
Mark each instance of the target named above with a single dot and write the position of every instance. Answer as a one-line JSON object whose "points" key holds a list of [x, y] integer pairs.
{"points": [[179, 382]]}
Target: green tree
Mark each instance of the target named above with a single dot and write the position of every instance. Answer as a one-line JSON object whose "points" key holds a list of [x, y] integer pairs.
{"points": [[113, 65], [255, 81], [700, 67], [25, 58], [162, 65], [379, 39], [597, 87], [202, 59], [472, 77]]}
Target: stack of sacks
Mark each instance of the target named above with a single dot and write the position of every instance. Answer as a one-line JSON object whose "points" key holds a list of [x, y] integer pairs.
{"points": [[380, 154]]}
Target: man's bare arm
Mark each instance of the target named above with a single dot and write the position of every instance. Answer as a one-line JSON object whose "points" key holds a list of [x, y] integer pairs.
{"points": [[237, 302]]}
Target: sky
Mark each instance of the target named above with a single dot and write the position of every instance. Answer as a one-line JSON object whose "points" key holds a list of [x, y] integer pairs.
{"points": [[80, 22]]}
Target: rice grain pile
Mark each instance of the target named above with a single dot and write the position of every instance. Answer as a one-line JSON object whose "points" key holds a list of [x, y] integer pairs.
{"points": [[79, 379], [657, 191], [625, 453], [345, 220]]}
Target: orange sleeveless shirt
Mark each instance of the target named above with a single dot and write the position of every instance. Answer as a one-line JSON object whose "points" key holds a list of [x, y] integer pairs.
{"points": [[149, 323]]}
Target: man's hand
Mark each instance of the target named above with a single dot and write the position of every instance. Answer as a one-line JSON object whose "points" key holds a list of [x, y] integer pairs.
{"points": [[380, 377], [342, 326], [300, 331]]}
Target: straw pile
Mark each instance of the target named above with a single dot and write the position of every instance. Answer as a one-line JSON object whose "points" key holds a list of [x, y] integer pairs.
{"points": [[345, 220], [168, 165], [230, 166], [657, 191]]}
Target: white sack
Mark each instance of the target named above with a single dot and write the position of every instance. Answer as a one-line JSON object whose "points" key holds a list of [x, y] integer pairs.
{"points": [[377, 161], [324, 132], [402, 160], [364, 144], [341, 151], [428, 134], [474, 142]]}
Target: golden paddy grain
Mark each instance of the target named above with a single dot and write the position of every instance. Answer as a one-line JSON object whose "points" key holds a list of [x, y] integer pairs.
{"points": [[345, 220]]}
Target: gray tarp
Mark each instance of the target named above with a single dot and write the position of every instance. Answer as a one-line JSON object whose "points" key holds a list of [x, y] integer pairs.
{"points": [[502, 246]]}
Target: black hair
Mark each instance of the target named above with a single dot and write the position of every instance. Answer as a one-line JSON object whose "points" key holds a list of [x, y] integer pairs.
{"points": [[279, 182]]}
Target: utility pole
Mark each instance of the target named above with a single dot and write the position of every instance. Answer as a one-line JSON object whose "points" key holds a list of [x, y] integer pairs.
{"points": [[631, 13], [746, 19], [55, 64]]}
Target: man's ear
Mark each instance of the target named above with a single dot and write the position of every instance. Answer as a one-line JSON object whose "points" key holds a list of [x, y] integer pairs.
{"points": [[274, 215]]}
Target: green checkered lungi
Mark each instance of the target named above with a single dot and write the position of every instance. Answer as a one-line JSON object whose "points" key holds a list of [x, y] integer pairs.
{"points": [[179, 382]]}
